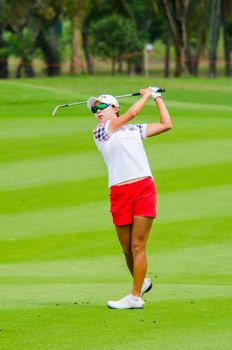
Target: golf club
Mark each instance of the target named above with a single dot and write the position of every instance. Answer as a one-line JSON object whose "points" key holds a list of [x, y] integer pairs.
{"points": [[83, 102]]}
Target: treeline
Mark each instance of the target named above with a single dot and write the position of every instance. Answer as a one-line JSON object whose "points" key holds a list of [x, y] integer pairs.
{"points": [[116, 30]]}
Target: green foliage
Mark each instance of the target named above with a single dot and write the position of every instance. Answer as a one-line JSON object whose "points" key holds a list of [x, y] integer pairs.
{"points": [[114, 28], [229, 26], [6, 49], [114, 36], [24, 47], [4, 11], [73, 6]]}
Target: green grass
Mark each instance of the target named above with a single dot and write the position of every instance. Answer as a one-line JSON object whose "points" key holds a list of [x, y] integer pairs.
{"points": [[59, 257]]}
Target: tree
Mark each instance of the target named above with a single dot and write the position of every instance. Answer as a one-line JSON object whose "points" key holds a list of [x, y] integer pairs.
{"points": [[22, 45], [3, 56], [21, 35], [175, 12], [167, 53], [46, 19], [227, 34], [147, 26], [215, 23], [4, 11], [47, 41], [30, 25], [12, 22], [197, 20], [113, 38], [86, 49], [160, 29], [77, 11]]}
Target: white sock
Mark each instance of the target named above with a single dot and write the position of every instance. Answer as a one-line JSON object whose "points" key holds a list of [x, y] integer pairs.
{"points": [[133, 297]]}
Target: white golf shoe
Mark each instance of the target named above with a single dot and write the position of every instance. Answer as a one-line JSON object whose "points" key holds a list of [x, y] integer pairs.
{"points": [[147, 285], [128, 302]]}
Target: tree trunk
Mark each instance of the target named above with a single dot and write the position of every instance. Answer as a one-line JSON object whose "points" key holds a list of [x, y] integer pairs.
{"points": [[50, 52], [3, 68], [225, 17], [120, 60], [167, 54], [113, 66], [89, 63], [77, 61], [27, 67], [29, 71], [3, 58], [199, 47], [139, 65], [54, 66], [180, 59], [195, 48], [175, 13], [130, 68], [215, 22]]}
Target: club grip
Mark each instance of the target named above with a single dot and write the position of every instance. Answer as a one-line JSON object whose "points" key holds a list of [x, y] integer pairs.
{"points": [[158, 90]]}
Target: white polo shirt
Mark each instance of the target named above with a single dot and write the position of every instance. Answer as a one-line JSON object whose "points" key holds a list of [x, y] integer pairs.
{"points": [[123, 151]]}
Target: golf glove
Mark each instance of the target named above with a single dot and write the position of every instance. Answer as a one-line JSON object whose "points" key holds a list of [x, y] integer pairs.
{"points": [[153, 92]]}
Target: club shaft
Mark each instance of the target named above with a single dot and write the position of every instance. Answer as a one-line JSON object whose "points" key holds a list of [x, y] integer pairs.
{"points": [[84, 102], [138, 93]]}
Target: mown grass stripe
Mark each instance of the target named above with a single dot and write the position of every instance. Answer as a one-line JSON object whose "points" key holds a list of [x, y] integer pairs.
{"points": [[195, 233], [54, 169], [32, 129], [51, 169], [71, 193], [183, 268], [199, 106], [172, 207], [51, 293]]}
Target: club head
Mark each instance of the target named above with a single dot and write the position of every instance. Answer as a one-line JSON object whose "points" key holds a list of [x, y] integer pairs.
{"points": [[55, 111]]}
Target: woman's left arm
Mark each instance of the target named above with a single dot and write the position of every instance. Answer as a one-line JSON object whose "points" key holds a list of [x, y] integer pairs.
{"points": [[131, 113], [165, 123]]}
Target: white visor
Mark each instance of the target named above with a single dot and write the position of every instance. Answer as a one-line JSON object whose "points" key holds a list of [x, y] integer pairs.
{"points": [[109, 99]]}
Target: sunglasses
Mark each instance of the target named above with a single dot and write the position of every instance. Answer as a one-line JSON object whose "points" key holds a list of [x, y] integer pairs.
{"points": [[101, 106]]}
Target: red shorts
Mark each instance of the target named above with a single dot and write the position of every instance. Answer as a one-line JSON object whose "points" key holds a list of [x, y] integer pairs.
{"points": [[134, 199]]}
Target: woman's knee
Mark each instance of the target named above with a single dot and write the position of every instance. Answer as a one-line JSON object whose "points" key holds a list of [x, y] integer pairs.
{"points": [[127, 251], [138, 247]]}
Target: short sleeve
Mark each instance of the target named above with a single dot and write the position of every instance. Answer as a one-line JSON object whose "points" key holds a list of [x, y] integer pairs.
{"points": [[101, 133], [143, 130]]}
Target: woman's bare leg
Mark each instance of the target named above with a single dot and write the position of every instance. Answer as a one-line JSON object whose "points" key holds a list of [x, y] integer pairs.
{"points": [[124, 236], [139, 234]]}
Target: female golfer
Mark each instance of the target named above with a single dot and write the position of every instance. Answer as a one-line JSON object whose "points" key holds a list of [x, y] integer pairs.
{"points": [[132, 190]]}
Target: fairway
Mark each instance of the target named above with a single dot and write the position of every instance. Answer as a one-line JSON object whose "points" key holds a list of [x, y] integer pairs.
{"points": [[60, 261]]}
